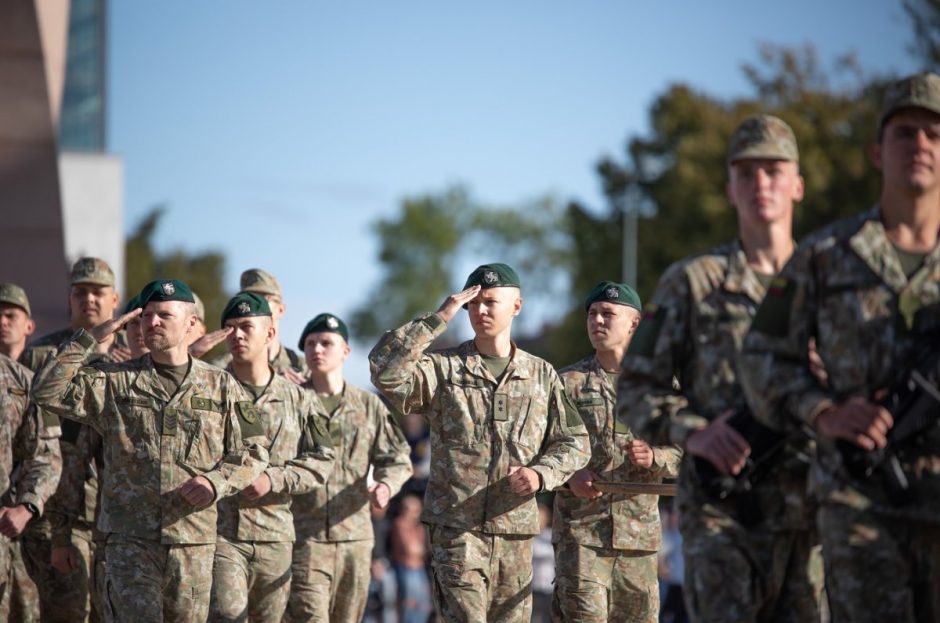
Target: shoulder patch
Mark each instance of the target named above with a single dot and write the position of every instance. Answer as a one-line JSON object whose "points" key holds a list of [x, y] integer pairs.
{"points": [[644, 340], [773, 315], [206, 404], [248, 419], [572, 417]]}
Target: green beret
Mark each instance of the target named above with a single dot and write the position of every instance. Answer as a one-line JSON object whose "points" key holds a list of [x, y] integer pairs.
{"points": [[613, 292], [918, 91], [493, 276], [763, 137], [324, 323], [132, 304], [13, 294], [245, 305], [166, 290]]}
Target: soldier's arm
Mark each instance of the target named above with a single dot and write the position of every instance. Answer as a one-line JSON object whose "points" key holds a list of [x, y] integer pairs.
{"points": [[313, 464], [401, 370], [391, 454], [774, 365], [245, 455], [666, 461], [647, 401], [66, 388], [69, 502], [38, 459], [566, 447]]}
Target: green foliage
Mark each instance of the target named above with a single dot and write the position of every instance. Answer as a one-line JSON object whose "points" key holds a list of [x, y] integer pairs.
{"points": [[202, 271]]}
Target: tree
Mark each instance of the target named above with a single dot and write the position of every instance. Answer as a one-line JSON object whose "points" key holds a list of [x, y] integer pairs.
{"points": [[203, 272], [925, 20]]}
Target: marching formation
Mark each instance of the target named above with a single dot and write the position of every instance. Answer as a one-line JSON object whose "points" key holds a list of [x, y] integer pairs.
{"points": [[790, 389]]}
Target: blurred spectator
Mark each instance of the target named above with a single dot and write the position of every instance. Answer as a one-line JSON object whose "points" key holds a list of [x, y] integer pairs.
{"points": [[671, 571], [409, 549], [380, 581], [419, 438], [543, 567]]}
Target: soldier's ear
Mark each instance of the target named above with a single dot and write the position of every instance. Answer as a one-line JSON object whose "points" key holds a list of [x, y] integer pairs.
{"points": [[30, 326], [517, 306]]}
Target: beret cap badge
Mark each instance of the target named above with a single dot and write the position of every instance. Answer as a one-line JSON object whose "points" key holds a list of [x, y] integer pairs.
{"points": [[168, 288]]}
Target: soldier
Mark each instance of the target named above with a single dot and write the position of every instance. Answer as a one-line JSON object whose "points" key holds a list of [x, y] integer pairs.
{"points": [[30, 464], [502, 429], [16, 322], [284, 360], [334, 528], [64, 587], [749, 556], [867, 288], [605, 545], [256, 529], [177, 435]]}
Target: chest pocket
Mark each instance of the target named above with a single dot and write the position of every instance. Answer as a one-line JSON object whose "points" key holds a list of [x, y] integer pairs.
{"points": [[592, 408], [138, 433], [528, 429], [200, 433], [466, 404]]}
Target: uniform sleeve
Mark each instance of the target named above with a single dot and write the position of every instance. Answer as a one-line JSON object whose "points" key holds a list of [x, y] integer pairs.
{"points": [[401, 370], [566, 447], [666, 461], [245, 454], [66, 388], [774, 363], [38, 460], [68, 505], [647, 400], [391, 454], [313, 464]]}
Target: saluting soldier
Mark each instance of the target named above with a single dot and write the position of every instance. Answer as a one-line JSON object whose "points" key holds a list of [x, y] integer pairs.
{"points": [[502, 429], [256, 527], [867, 290], [751, 555], [606, 544], [177, 435], [333, 554]]}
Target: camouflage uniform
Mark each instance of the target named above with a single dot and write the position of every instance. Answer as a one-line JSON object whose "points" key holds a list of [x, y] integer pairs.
{"points": [[253, 553], [845, 286], [333, 553], [606, 549], [70, 517], [481, 531], [692, 332], [159, 548], [30, 464]]}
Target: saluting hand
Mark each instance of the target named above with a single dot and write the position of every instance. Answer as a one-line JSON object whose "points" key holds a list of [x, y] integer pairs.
{"points": [[721, 445], [197, 491], [454, 302], [208, 341], [106, 329], [523, 480]]}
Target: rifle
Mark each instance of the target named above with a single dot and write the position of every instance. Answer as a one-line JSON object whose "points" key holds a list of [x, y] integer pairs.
{"points": [[636, 488]]}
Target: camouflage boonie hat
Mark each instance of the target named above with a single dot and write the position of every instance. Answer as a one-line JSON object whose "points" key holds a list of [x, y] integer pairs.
{"points": [[918, 91], [245, 305], [13, 294], [166, 290], [200, 308], [613, 292], [763, 137], [324, 323], [92, 270], [260, 281]]}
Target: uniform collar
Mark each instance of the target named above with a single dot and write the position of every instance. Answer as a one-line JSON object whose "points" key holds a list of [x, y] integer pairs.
{"points": [[741, 278]]}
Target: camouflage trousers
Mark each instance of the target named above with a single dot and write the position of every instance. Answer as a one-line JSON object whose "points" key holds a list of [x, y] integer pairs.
{"points": [[749, 575], [23, 595], [250, 581], [148, 582], [63, 597], [479, 577], [329, 581], [880, 568], [594, 584]]}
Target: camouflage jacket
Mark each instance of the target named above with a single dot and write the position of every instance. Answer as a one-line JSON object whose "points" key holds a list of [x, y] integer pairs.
{"points": [[481, 426], [286, 359], [692, 332], [74, 504], [612, 521], [153, 442], [363, 433], [30, 462], [845, 287], [300, 460]]}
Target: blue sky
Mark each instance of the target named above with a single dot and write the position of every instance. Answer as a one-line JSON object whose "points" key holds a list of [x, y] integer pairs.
{"points": [[278, 132]]}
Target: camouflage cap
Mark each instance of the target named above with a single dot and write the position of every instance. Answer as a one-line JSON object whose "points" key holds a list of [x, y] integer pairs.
{"points": [[918, 91], [166, 290], [493, 276], [613, 292], [245, 305], [92, 270], [763, 137], [13, 294], [200, 308], [260, 281], [324, 323]]}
